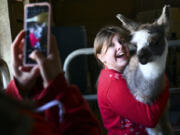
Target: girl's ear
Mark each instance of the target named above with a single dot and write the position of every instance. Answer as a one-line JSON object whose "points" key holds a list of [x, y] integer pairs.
{"points": [[100, 57]]}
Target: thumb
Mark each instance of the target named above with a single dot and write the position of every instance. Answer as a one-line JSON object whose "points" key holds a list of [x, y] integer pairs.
{"points": [[41, 60], [38, 57], [35, 71]]}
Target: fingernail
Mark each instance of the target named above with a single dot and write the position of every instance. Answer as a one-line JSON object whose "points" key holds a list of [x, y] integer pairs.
{"points": [[32, 55], [20, 68]]}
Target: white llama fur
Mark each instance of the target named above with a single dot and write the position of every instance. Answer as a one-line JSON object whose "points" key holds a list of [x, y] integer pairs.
{"points": [[145, 72], [152, 69]]}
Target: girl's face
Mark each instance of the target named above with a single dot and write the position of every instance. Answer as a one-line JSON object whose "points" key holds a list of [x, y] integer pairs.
{"points": [[117, 54]]}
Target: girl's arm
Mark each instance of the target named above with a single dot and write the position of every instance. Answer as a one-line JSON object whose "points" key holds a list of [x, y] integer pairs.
{"points": [[77, 117], [124, 103]]}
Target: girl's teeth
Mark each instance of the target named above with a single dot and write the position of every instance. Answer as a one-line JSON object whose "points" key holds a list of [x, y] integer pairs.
{"points": [[120, 54]]}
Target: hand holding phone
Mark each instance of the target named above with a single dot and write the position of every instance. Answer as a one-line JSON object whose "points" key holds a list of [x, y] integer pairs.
{"points": [[50, 67], [37, 30]]}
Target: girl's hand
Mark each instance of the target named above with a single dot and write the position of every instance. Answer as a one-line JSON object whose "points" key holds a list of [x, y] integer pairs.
{"points": [[49, 66], [25, 76]]}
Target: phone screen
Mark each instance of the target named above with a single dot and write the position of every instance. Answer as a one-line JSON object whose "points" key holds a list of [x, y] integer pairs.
{"points": [[36, 30]]}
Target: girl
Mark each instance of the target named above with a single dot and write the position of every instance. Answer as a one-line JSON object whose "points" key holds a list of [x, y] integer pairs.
{"points": [[61, 109], [122, 114]]}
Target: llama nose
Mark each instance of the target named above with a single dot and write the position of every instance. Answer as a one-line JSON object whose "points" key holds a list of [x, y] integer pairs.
{"points": [[144, 56]]}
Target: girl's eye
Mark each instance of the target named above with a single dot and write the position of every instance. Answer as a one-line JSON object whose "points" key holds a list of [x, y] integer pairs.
{"points": [[122, 42], [111, 45]]}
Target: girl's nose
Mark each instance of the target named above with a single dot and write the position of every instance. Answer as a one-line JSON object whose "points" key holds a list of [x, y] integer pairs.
{"points": [[119, 46]]}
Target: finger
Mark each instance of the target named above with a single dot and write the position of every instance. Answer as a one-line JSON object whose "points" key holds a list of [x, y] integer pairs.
{"points": [[54, 51], [16, 43], [38, 57], [19, 60], [35, 71], [25, 69], [18, 38], [53, 48], [21, 46], [21, 56]]}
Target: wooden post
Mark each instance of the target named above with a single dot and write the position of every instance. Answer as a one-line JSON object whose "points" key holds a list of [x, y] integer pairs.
{"points": [[5, 34]]}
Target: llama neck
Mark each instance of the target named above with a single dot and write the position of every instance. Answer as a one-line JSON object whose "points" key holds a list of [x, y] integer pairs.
{"points": [[153, 70]]}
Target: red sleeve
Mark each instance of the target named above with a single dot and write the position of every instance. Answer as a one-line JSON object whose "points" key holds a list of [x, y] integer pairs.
{"points": [[127, 106], [13, 91], [78, 118]]}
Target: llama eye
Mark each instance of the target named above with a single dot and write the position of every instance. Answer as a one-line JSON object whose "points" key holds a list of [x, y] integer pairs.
{"points": [[154, 43], [133, 44]]}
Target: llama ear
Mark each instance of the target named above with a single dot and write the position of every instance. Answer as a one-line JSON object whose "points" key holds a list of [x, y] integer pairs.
{"points": [[165, 16], [127, 23]]}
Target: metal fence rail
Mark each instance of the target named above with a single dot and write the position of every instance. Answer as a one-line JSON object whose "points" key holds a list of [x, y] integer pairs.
{"points": [[90, 51]]}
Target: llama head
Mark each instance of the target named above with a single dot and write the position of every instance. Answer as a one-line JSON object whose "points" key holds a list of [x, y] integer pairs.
{"points": [[150, 39]]}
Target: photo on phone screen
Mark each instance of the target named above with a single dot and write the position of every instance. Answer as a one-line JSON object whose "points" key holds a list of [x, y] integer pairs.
{"points": [[36, 25]]}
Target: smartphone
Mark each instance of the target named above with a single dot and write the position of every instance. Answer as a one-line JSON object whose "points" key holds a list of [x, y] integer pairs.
{"points": [[37, 29]]}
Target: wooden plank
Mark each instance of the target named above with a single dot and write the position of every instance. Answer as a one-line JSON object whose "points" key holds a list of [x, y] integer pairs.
{"points": [[5, 33]]}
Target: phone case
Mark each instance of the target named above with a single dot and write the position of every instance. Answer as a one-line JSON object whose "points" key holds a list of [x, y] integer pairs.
{"points": [[37, 30]]}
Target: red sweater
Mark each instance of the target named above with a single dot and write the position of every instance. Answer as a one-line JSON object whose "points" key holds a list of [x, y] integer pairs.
{"points": [[120, 111], [77, 119]]}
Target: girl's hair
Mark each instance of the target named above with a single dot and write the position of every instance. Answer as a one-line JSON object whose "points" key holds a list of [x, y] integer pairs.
{"points": [[104, 37]]}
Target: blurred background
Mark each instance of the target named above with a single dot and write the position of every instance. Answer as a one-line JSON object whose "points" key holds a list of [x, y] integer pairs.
{"points": [[75, 24]]}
